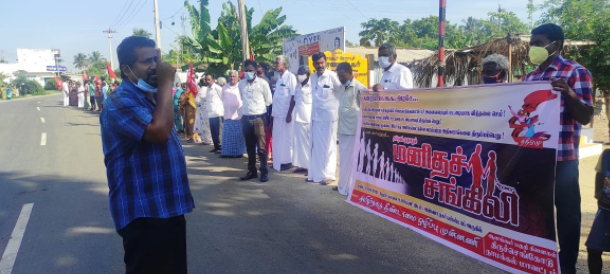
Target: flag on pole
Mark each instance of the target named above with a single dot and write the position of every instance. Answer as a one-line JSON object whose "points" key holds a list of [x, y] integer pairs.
{"points": [[85, 76], [111, 73], [191, 81], [251, 55], [59, 83], [97, 80]]}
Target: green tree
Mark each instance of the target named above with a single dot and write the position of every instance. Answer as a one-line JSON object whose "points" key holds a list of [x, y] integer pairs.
{"points": [[81, 61], [379, 32], [221, 48], [141, 32]]}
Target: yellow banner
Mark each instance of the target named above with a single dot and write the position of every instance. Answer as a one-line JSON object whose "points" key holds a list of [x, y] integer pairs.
{"points": [[359, 64]]}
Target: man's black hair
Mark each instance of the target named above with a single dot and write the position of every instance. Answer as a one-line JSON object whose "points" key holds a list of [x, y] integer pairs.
{"points": [[551, 31], [248, 63], [317, 56], [345, 66], [265, 66], [126, 51], [211, 75]]}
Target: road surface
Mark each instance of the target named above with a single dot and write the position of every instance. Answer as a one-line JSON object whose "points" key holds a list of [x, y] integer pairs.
{"points": [[51, 157]]}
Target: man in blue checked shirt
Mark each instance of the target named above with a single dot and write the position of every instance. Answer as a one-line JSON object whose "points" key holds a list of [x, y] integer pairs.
{"points": [[146, 169]]}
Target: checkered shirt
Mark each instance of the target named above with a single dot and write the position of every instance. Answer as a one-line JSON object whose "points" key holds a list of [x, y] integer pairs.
{"points": [[580, 80], [145, 179]]}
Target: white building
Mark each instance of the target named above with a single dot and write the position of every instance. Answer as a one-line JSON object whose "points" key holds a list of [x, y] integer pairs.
{"points": [[36, 64]]}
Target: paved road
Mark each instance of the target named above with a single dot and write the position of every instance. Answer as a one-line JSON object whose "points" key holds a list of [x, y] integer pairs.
{"points": [[283, 226]]}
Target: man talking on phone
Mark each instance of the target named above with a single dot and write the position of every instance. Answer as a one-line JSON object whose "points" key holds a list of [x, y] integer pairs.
{"points": [[146, 168]]}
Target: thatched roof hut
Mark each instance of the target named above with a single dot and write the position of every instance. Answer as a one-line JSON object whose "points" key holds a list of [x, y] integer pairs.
{"points": [[463, 67]]}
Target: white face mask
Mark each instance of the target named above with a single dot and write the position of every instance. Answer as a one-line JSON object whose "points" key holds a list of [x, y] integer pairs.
{"points": [[384, 62], [301, 78]]}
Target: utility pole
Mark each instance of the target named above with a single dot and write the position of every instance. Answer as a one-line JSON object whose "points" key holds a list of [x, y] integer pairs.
{"points": [[183, 18], [157, 26], [441, 42], [110, 32], [245, 47]]}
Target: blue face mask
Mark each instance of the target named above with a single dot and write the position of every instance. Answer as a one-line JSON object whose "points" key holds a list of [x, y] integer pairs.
{"points": [[347, 83], [249, 76], [142, 85]]}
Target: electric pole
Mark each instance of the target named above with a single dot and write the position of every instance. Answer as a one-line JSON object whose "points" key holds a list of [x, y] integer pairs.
{"points": [[183, 18], [157, 26], [110, 32], [245, 47]]}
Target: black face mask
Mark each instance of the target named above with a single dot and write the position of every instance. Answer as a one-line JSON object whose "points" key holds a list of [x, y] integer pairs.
{"points": [[498, 78]]}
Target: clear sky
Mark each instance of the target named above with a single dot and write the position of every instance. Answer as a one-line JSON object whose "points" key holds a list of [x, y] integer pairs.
{"points": [[75, 26]]}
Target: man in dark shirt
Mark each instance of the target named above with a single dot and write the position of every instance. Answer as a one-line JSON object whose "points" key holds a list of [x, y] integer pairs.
{"points": [[146, 168]]}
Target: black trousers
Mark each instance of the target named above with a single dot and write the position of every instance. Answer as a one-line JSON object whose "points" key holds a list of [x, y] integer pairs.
{"points": [[155, 245], [92, 101], [254, 135], [216, 130]]}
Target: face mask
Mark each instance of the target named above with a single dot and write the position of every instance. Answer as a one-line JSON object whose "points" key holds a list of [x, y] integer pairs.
{"points": [[539, 54], [384, 62], [301, 78], [347, 83], [249, 76], [142, 85], [493, 79]]}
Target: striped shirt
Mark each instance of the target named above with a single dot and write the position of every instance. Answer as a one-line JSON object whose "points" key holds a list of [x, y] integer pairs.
{"points": [[144, 179], [580, 81]]}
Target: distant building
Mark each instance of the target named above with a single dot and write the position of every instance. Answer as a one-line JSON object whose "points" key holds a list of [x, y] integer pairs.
{"points": [[36, 64]]}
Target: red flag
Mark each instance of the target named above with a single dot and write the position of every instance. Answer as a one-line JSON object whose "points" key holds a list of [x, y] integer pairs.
{"points": [[251, 55], [97, 80], [191, 81], [59, 83], [85, 76], [111, 73]]}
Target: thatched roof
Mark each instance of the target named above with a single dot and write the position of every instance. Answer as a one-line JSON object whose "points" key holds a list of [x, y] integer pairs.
{"points": [[463, 66]]}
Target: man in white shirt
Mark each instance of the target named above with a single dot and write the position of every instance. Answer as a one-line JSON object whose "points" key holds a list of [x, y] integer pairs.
{"points": [[349, 109], [65, 88], [215, 110], [282, 128], [256, 97], [326, 90], [302, 120], [395, 76]]}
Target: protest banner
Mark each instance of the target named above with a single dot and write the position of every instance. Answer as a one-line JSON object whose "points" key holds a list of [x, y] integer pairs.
{"points": [[307, 45], [470, 167], [360, 65]]}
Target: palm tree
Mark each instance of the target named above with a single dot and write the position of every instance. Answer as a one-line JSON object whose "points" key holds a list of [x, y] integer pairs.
{"points": [[81, 61], [141, 33], [95, 56]]}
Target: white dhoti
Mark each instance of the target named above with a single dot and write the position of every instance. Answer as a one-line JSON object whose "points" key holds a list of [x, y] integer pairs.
{"points": [[346, 152], [301, 150], [81, 100], [323, 161], [283, 136], [66, 100]]}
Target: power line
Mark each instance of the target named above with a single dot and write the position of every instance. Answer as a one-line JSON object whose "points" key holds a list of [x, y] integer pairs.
{"points": [[134, 15], [124, 13], [174, 14], [356, 8], [119, 14]]}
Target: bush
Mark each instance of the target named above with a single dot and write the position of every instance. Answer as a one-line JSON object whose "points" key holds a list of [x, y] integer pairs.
{"points": [[50, 85], [31, 87]]}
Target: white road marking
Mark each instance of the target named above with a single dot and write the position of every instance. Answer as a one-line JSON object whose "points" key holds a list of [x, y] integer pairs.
{"points": [[12, 248], [43, 139], [42, 120], [38, 108]]}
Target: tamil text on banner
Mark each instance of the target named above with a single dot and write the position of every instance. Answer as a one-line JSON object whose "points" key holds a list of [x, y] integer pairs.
{"points": [[358, 62], [470, 167], [307, 45]]}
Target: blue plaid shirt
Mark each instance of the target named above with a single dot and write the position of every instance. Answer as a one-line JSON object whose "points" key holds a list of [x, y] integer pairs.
{"points": [[145, 179]]}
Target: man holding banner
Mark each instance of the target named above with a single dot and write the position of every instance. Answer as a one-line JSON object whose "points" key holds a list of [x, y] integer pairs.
{"points": [[395, 76], [326, 90], [349, 109], [574, 82]]}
